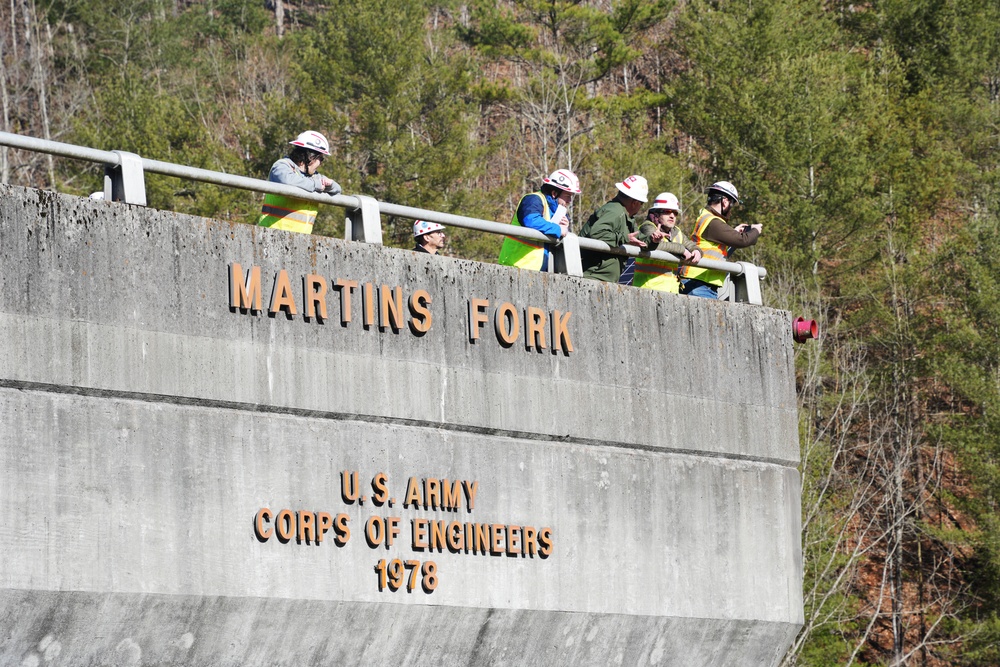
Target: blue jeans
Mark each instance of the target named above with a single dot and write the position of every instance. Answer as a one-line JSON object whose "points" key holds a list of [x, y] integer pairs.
{"points": [[692, 287]]}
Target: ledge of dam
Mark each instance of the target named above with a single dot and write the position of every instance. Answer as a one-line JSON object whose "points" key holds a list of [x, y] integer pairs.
{"points": [[230, 445]]}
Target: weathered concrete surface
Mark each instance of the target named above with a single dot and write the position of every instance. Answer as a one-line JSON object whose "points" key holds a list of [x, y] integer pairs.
{"points": [[175, 630], [146, 423]]}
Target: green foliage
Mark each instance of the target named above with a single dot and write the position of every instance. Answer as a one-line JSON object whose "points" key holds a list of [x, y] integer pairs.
{"points": [[563, 35], [855, 153], [402, 101], [620, 147], [863, 136], [982, 649], [230, 18], [970, 363], [559, 49], [131, 116], [825, 558], [787, 113]]}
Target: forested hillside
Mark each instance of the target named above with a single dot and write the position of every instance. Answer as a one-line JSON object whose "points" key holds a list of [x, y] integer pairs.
{"points": [[864, 137]]}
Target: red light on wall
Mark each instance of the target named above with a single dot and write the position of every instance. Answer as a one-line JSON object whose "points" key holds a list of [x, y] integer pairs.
{"points": [[803, 329]]}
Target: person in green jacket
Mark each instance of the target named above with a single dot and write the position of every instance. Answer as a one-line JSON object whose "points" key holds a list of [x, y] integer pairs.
{"points": [[614, 223]]}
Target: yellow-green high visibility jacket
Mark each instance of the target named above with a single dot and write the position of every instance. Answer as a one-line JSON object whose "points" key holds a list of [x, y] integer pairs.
{"points": [[524, 253], [656, 273], [709, 250], [288, 213]]}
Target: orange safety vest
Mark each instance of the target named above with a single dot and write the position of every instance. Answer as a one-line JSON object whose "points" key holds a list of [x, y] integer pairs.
{"points": [[709, 250], [524, 253], [657, 274], [288, 213]]}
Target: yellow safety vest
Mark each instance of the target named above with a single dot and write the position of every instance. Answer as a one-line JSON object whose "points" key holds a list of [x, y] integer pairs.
{"points": [[288, 213], [656, 273], [524, 253], [709, 250]]}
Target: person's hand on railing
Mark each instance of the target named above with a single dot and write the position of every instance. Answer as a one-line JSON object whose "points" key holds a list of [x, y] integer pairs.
{"points": [[691, 256], [330, 186]]}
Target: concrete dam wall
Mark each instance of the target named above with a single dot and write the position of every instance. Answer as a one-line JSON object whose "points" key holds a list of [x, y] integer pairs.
{"points": [[227, 445]]}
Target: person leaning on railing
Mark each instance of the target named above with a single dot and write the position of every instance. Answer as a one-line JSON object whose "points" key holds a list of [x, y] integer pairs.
{"points": [[614, 223], [661, 226], [716, 239], [544, 211], [298, 168]]}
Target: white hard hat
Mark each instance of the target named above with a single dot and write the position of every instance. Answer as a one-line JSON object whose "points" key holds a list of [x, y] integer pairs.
{"points": [[421, 227], [564, 179], [314, 141], [667, 201], [634, 187], [725, 188]]}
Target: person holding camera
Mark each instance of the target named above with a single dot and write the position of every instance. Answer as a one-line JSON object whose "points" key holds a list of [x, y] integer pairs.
{"points": [[716, 240]]}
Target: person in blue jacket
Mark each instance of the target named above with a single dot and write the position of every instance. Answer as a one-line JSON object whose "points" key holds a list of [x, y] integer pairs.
{"points": [[544, 211]]}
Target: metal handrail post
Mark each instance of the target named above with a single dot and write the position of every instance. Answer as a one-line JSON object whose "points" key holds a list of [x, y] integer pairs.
{"points": [[364, 223], [567, 256], [125, 181], [746, 284]]}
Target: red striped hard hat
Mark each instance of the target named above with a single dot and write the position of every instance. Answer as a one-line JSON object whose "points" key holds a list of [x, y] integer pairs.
{"points": [[564, 179], [314, 141], [634, 187], [666, 201]]}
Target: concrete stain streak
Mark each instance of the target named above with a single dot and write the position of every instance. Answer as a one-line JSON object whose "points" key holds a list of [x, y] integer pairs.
{"points": [[372, 419]]}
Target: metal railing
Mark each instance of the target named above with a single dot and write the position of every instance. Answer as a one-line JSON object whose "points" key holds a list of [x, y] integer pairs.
{"points": [[124, 181]]}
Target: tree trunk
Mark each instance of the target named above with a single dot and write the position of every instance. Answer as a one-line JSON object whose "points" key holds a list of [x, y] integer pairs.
{"points": [[31, 27], [4, 164], [13, 30]]}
